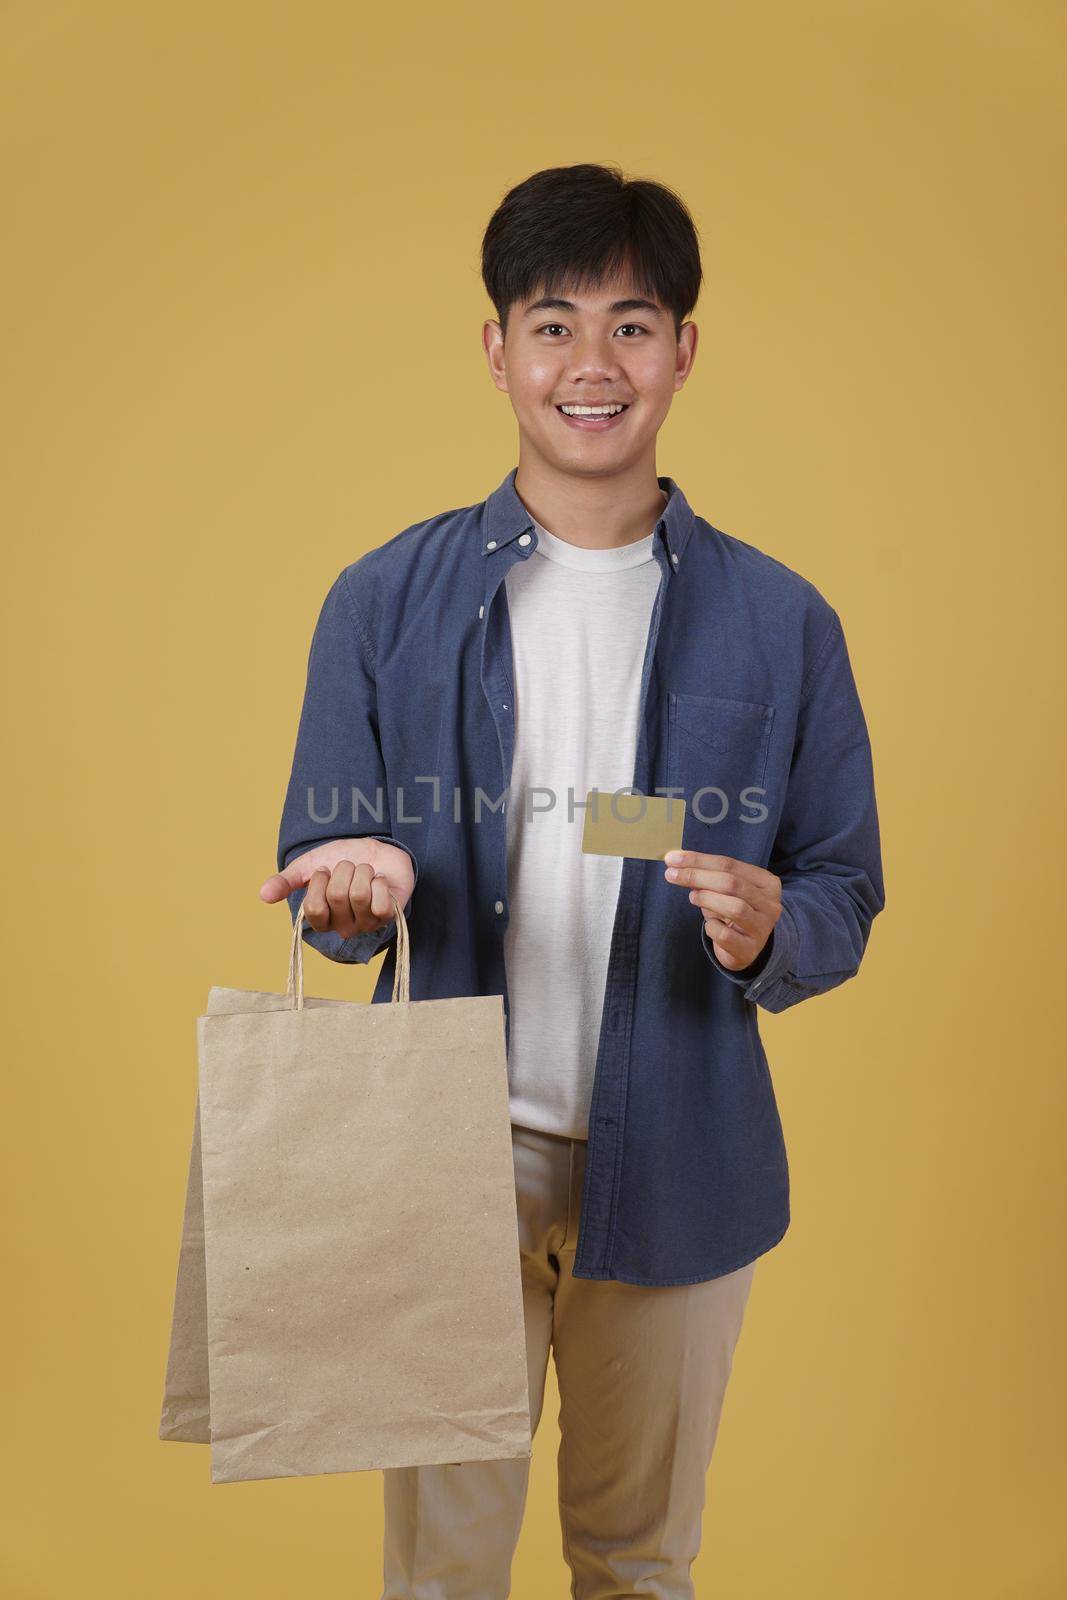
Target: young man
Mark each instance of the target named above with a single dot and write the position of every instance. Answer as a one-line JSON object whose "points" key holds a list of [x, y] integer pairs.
{"points": [[475, 676]]}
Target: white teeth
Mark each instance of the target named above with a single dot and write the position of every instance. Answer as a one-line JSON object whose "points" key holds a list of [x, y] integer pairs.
{"points": [[591, 411]]}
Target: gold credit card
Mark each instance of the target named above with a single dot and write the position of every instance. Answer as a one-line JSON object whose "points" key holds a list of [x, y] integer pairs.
{"points": [[644, 825]]}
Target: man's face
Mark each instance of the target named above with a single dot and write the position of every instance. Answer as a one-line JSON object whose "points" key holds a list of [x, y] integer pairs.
{"points": [[590, 348]]}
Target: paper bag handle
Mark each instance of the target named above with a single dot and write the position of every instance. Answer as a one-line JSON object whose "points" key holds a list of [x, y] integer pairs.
{"points": [[401, 976]]}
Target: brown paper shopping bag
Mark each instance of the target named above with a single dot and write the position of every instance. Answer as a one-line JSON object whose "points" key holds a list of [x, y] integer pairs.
{"points": [[186, 1413], [349, 1291]]}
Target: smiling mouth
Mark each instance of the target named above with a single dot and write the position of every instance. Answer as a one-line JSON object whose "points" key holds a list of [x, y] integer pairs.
{"points": [[593, 419]]}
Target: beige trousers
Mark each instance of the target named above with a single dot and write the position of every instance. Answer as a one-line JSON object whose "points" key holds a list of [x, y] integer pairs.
{"points": [[642, 1373]]}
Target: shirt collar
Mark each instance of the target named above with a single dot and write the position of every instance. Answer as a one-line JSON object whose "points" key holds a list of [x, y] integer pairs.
{"points": [[506, 518]]}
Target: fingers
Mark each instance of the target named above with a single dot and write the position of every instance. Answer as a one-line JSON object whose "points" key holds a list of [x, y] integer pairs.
{"points": [[692, 866], [756, 921], [730, 908], [761, 894], [283, 883], [316, 910], [347, 899], [276, 888], [381, 900], [345, 907], [741, 903], [733, 948]]}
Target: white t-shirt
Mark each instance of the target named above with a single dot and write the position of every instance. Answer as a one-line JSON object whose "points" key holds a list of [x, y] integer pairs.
{"points": [[579, 626]]}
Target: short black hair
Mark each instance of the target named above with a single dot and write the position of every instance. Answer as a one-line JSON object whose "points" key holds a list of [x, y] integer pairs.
{"points": [[572, 227]]}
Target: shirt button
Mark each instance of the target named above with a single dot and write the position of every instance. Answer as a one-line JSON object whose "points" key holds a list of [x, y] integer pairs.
{"points": [[525, 538], [491, 545], [675, 560], [499, 907]]}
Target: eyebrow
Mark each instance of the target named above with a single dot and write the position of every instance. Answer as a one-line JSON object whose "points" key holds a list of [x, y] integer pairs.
{"points": [[553, 303]]}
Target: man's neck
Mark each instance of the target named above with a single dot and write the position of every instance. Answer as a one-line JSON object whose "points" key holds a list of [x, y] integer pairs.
{"points": [[598, 513]]}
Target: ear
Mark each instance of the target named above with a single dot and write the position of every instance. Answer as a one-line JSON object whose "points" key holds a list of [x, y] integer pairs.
{"points": [[688, 334], [493, 344]]}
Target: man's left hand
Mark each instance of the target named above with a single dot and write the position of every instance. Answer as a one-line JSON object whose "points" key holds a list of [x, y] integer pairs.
{"points": [[741, 903]]}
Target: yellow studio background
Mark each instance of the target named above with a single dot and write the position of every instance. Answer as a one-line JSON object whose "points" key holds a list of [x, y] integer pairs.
{"points": [[242, 346]]}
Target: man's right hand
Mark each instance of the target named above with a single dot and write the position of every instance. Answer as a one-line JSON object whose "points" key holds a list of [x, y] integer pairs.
{"points": [[349, 882]]}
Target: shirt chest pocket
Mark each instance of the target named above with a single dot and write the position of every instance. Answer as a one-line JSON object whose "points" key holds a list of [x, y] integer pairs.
{"points": [[720, 746]]}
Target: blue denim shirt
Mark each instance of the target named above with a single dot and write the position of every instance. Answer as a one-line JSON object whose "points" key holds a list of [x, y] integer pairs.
{"points": [[747, 693]]}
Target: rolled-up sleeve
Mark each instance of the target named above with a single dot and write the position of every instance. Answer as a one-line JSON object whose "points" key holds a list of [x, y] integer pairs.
{"points": [[338, 787], [827, 850]]}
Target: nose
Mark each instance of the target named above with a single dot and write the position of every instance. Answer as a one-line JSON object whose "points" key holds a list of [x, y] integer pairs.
{"points": [[593, 358]]}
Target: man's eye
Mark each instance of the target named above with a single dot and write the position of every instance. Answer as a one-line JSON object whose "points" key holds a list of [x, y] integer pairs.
{"points": [[549, 325], [635, 326]]}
